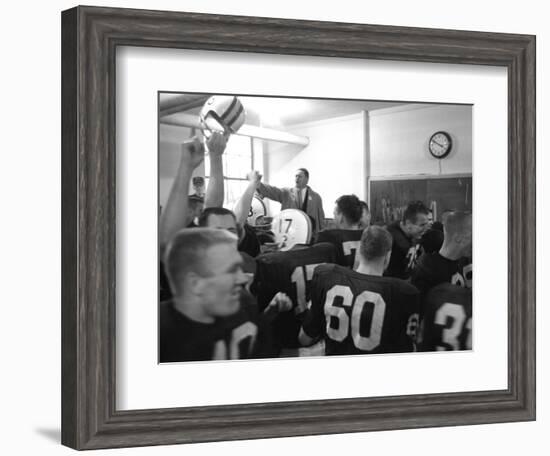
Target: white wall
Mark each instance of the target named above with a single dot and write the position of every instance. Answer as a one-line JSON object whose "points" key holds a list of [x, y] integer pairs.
{"points": [[344, 151], [335, 158], [399, 140], [30, 187]]}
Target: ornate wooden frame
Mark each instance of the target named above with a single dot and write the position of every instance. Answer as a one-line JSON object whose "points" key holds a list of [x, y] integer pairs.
{"points": [[90, 36]]}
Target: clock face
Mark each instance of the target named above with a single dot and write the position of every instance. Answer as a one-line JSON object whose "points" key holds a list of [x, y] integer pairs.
{"points": [[440, 144]]}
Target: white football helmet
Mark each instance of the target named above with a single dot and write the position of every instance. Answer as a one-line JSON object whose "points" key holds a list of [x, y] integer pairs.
{"points": [[222, 113], [291, 227], [257, 209]]}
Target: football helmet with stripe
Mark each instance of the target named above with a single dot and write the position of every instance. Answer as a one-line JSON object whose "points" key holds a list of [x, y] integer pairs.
{"points": [[291, 227], [222, 113]]}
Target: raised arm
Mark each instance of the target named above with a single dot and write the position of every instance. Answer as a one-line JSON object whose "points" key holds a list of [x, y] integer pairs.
{"points": [[215, 192], [175, 215], [268, 191], [242, 207]]}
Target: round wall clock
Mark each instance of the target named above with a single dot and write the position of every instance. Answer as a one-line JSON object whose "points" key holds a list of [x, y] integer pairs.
{"points": [[440, 144]]}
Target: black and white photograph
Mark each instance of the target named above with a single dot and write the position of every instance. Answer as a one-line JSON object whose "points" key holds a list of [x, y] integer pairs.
{"points": [[299, 227], [248, 228]]}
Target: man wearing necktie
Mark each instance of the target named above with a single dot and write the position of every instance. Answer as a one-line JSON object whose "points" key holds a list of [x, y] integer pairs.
{"points": [[301, 196]]}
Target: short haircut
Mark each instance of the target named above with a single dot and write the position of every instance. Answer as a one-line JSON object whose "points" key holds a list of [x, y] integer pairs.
{"points": [[376, 242], [186, 252], [350, 207], [413, 209], [364, 206], [432, 240], [457, 222], [305, 171], [221, 211]]}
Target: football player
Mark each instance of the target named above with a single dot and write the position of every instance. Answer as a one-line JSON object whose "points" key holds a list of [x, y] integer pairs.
{"points": [[361, 311], [452, 262], [222, 218], [210, 315], [242, 210], [179, 211], [289, 272], [447, 322], [431, 241], [406, 234], [347, 217], [176, 214]]}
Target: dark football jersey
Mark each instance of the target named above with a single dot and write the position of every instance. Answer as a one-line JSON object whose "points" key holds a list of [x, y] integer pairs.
{"points": [[289, 272], [433, 269], [346, 243], [239, 336], [447, 321], [431, 241], [358, 313], [249, 243], [464, 276], [404, 253]]}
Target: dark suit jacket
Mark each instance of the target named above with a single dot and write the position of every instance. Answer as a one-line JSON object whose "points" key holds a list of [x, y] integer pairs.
{"points": [[288, 197]]}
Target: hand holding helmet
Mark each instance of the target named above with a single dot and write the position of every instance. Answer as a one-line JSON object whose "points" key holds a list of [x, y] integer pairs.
{"points": [[223, 114]]}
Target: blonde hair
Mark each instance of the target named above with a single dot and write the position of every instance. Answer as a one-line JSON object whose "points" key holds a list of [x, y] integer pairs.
{"points": [[185, 253]]}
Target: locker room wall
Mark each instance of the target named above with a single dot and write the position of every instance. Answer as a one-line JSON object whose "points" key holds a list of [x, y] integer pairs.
{"points": [[399, 140], [339, 153], [334, 157], [398, 145]]}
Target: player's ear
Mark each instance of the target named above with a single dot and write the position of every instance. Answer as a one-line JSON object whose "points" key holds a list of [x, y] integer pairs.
{"points": [[459, 239], [195, 283], [466, 244]]}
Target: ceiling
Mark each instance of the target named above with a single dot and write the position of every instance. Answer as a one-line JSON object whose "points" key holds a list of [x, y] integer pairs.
{"points": [[274, 112]]}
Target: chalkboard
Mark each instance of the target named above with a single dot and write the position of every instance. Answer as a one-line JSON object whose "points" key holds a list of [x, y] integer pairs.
{"points": [[389, 198]]}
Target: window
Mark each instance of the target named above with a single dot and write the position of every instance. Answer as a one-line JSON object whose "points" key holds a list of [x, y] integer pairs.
{"points": [[237, 162]]}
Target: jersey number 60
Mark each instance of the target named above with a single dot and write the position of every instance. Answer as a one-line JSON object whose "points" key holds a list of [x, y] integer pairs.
{"points": [[366, 303]]}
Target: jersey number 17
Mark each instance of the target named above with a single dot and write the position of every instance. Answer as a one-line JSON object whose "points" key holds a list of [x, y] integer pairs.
{"points": [[301, 277]]}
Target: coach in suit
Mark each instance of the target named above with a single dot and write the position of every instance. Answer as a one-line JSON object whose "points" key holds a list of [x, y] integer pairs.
{"points": [[301, 196]]}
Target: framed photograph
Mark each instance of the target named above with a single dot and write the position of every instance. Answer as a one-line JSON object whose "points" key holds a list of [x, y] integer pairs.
{"points": [[259, 124]]}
